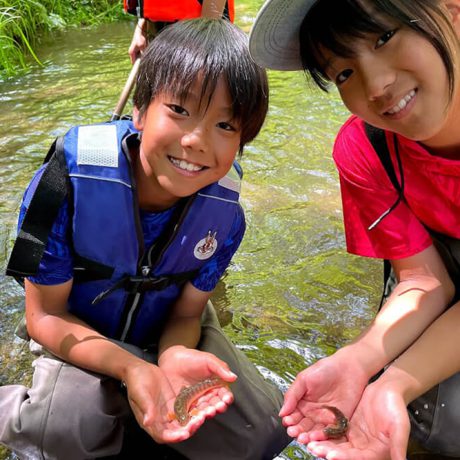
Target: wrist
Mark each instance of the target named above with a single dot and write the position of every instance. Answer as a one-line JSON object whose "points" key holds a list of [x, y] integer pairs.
{"points": [[131, 366], [136, 372], [399, 381], [361, 358]]}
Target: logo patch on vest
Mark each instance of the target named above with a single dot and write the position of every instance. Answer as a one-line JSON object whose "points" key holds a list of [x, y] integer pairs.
{"points": [[206, 247]]}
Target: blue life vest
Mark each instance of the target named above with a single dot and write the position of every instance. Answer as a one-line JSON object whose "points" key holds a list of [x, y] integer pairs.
{"points": [[133, 287]]}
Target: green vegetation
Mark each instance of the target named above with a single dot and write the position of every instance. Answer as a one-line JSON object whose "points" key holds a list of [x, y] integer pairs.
{"points": [[23, 22]]}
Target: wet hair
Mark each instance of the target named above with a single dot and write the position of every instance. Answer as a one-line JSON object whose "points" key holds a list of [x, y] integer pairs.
{"points": [[353, 19], [207, 49]]}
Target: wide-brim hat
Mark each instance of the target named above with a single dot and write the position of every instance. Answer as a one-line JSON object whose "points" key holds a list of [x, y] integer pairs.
{"points": [[274, 37]]}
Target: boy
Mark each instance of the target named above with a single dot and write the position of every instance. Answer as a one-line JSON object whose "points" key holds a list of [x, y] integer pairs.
{"points": [[150, 222]]}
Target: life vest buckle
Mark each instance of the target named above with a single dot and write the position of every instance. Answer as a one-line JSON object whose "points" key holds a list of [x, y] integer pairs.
{"points": [[134, 284], [142, 283]]}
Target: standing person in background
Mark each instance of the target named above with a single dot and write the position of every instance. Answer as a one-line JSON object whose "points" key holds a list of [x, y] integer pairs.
{"points": [[156, 14], [396, 66]]}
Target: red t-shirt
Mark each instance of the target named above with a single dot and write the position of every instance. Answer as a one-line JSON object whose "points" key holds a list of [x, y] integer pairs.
{"points": [[431, 195]]}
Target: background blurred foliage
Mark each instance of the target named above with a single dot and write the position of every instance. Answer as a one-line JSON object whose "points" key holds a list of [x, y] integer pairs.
{"points": [[23, 23]]}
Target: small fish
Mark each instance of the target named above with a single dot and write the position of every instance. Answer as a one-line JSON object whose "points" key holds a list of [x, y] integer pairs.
{"points": [[188, 395], [341, 424]]}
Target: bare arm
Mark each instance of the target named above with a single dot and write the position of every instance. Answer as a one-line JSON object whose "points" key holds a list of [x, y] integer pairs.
{"points": [[181, 363], [63, 334], [422, 294], [150, 394], [183, 326], [423, 340], [213, 8], [416, 305], [139, 40], [436, 349], [379, 427]]}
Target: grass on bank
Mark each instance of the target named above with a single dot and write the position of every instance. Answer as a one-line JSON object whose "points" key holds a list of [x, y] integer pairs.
{"points": [[23, 22]]}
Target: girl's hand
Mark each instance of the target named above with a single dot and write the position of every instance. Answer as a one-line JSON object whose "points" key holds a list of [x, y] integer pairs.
{"points": [[378, 430], [185, 367], [334, 381], [151, 398]]}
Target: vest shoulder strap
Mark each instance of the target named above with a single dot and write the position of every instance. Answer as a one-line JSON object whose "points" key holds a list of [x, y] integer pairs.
{"points": [[52, 189], [378, 140], [448, 247]]}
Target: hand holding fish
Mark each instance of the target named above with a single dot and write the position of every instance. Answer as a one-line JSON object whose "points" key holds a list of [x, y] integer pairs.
{"points": [[379, 428], [317, 404], [199, 380], [150, 396]]}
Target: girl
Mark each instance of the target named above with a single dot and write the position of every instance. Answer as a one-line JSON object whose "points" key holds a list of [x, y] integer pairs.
{"points": [[396, 66]]}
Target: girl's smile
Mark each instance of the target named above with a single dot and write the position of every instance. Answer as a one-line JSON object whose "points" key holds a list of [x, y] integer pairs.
{"points": [[396, 81], [402, 106]]}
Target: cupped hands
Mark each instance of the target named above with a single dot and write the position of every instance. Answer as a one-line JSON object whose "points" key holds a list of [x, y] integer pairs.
{"points": [[331, 381], [185, 367], [378, 430]]}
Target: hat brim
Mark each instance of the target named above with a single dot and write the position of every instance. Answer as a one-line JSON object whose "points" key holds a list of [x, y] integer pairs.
{"points": [[274, 37]]}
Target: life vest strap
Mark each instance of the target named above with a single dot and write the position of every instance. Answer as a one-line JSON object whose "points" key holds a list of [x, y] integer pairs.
{"points": [[89, 270], [139, 283], [378, 140], [52, 189]]}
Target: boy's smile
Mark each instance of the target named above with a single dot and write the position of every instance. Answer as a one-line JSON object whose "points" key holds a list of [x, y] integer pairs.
{"points": [[186, 145], [185, 165]]}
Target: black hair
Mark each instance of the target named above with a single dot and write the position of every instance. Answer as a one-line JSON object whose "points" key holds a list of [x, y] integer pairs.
{"points": [[353, 19], [207, 49]]}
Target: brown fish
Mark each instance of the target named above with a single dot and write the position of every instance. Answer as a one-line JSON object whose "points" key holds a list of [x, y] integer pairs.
{"points": [[341, 424], [188, 395]]}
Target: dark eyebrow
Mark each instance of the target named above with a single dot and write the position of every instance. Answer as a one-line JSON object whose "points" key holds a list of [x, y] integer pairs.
{"points": [[196, 98], [227, 110], [328, 65]]}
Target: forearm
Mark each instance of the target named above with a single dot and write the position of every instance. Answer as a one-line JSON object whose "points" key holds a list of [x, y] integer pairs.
{"points": [[139, 33], [140, 27], [139, 41], [184, 331], [75, 342], [431, 359], [184, 323], [213, 8], [404, 317]]}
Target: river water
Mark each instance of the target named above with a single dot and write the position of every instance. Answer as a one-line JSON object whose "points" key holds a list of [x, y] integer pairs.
{"points": [[292, 294]]}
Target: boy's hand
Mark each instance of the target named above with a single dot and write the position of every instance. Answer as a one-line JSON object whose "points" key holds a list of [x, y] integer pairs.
{"points": [[331, 381], [185, 367], [378, 430], [151, 398]]}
